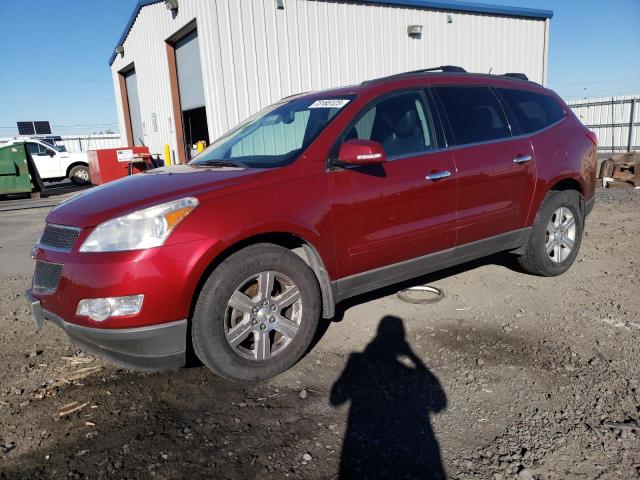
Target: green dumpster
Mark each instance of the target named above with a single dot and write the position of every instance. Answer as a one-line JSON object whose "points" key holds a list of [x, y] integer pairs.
{"points": [[14, 169]]}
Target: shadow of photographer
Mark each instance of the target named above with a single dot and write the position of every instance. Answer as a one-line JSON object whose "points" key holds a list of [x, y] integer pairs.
{"points": [[393, 395]]}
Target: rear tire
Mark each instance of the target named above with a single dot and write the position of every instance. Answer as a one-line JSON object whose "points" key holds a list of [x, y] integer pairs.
{"points": [[555, 236], [257, 313], [79, 175]]}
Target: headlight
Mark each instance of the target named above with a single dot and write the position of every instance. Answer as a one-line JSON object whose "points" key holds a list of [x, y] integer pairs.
{"points": [[146, 228]]}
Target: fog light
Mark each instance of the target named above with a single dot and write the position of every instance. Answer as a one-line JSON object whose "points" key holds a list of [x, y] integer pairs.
{"points": [[99, 309]]}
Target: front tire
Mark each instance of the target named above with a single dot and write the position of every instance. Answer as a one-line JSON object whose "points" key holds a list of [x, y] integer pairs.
{"points": [[79, 175], [257, 313], [556, 235]]}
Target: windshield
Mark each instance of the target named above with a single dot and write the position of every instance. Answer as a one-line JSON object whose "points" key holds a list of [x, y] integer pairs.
{"points": [[274, 136]]}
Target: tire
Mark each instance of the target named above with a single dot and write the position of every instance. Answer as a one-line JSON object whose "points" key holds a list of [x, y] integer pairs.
{"points": [[214, 318], [554, 211], [79, 175]]}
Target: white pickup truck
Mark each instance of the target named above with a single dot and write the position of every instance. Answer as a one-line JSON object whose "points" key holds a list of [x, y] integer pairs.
{"points": [[55, 164]]}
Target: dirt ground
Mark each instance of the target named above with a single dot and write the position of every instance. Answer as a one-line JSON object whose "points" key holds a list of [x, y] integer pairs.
{"points": [[509, 376]]}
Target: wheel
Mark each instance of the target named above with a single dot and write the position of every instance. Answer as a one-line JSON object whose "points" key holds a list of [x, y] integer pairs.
{"points": [[556, 235], [256, 314], [79, 175]]}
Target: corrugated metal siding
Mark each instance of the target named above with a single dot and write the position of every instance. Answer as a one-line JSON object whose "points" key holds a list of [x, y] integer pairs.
{"points": [[253, 54], [610, 118]]}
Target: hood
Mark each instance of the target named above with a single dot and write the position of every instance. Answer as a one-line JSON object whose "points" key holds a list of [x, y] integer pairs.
{"points": [[128, 194]]}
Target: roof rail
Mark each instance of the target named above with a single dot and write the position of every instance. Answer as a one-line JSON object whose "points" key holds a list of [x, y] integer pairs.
{"points": [[520, 76], [443, 68]]}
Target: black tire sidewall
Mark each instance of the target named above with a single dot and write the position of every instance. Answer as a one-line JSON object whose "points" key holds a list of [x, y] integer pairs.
{"points": [[569, 199], [208, 334]]}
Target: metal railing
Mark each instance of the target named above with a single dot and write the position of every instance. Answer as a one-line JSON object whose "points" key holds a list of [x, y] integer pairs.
{"points": [[82, 143], [615, 120]]}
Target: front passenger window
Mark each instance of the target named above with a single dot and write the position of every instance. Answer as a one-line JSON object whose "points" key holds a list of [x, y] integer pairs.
{"points": [[400, 123]]}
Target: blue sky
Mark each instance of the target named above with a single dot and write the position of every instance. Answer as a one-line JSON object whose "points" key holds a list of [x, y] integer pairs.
{"points": [[54, 56]]}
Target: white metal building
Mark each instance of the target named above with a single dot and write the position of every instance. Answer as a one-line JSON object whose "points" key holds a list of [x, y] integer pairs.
{"points": [[188, 70]]}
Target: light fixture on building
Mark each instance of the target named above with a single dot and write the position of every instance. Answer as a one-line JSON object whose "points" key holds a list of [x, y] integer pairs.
{"points": [[414, 31], [171, 4], [120, 50], [280, 4], [449, 19]]}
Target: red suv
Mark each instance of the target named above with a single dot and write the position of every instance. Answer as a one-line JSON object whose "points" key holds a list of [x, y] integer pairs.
{"points": [[315, 199]]}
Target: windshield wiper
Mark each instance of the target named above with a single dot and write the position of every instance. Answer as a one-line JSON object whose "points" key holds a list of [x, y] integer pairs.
{"points": [[219, 163]]}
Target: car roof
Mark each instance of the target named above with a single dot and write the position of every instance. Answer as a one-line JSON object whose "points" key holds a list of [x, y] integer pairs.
{"points": [[421, 78]]}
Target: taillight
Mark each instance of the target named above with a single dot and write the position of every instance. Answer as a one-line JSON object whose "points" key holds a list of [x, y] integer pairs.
{"points": [[593, 137]]}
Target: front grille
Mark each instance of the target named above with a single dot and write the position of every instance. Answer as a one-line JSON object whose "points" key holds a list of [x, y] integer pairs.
{"points": [[46, 277], [59, 237]]}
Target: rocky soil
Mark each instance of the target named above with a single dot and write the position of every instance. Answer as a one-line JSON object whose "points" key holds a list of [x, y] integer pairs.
{"points": [[510, 376]]}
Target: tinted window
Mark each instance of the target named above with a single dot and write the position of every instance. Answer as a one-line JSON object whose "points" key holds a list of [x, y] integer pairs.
{"points": [[533, 111], [474, 113], [400, 123]]}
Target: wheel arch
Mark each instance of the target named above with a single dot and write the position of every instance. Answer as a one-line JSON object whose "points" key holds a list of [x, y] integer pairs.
{"points": [[297, 244], [567, 184], [558, 184]]}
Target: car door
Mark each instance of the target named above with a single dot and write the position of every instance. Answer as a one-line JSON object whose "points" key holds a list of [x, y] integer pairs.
{"points": [[385, 214], [46, 160], [496, 171]]}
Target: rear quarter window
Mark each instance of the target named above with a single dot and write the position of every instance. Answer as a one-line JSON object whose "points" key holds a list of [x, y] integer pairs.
{"points": [[533, 111], [474, 114]]}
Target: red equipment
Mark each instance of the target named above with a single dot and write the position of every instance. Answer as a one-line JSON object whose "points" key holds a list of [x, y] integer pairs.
{"points": [[110, 164]]}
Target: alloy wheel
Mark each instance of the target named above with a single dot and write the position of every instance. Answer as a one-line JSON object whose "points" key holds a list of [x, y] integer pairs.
{"points": [[560, 235], [263, 315]]}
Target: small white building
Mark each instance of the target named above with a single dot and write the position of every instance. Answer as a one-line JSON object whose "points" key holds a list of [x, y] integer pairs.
{"points": [[189, 70]]}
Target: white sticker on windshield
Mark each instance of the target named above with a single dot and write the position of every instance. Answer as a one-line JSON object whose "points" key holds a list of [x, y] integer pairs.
{"points": [[332, 103]]}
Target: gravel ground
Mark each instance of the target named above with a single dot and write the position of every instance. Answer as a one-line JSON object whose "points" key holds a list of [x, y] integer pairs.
{"points": [[510, 376]]}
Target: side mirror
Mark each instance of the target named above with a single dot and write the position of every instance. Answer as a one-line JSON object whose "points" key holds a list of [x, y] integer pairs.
{"points": [[362, 152], [50, 153]]}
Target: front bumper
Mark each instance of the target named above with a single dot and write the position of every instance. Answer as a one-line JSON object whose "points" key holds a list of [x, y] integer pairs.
{"points": [[154, 347]]}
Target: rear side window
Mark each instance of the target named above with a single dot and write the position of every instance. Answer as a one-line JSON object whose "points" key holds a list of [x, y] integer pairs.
{"points": [[533, 111], [474, 113]]}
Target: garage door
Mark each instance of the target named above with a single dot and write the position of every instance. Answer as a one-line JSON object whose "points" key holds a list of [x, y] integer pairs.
{"points": [[134, 107], [189, 72]]}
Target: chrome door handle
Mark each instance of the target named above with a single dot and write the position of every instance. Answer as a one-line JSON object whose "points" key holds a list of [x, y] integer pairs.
{"points": [[438, 175], [522, 159]]}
